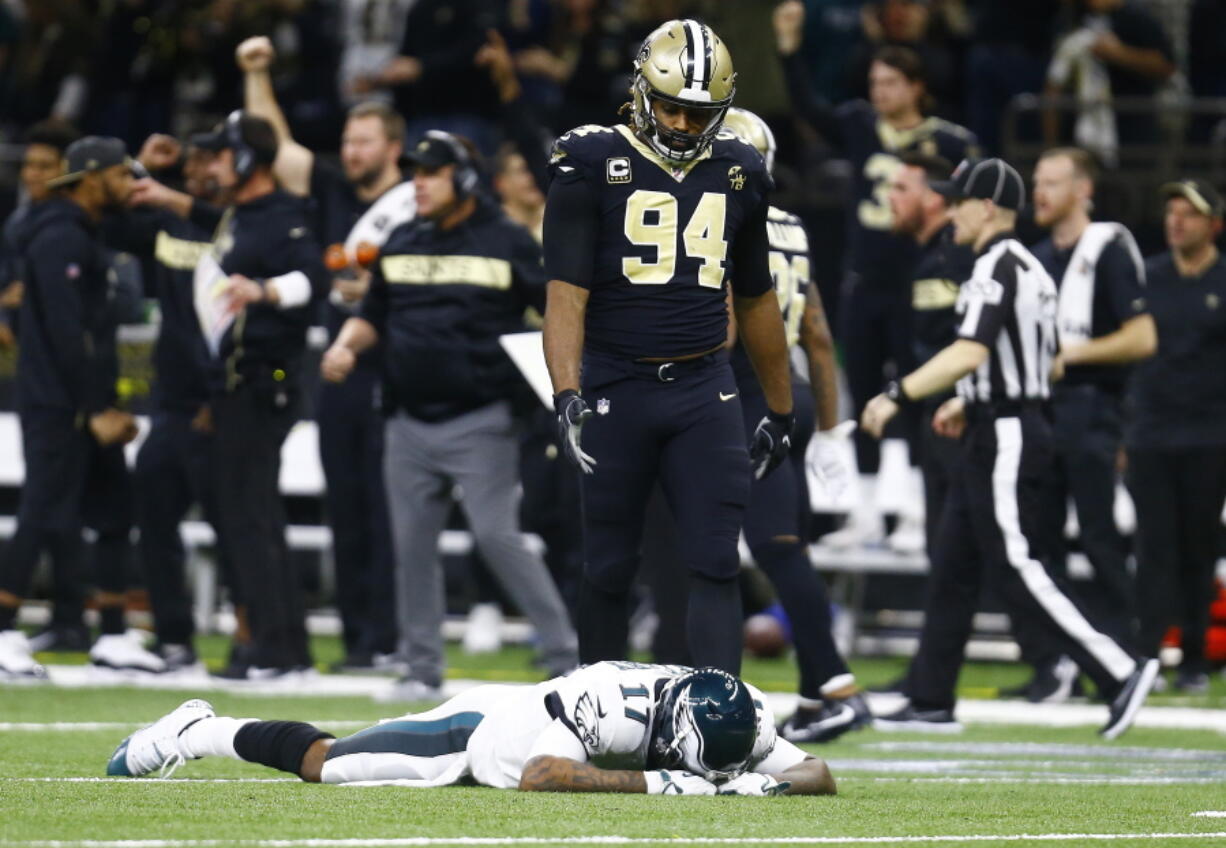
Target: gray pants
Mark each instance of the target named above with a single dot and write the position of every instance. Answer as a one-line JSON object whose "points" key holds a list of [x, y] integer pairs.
{"points": [[421, 463]]}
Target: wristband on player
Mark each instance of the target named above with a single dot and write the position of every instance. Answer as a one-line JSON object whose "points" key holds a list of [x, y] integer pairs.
{"points": [[894, 391]]}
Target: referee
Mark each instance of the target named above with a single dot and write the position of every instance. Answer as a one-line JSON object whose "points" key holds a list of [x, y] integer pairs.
{"points": [[1000, 362]]}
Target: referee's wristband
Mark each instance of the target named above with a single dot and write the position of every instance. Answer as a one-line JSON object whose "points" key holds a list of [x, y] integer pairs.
{"points": [[894, 391]]}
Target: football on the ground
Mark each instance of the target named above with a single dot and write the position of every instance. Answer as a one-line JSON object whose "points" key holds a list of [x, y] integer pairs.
{"points": [[765, 636]]}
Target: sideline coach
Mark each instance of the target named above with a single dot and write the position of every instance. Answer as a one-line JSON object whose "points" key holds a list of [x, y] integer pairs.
{"points": [[276, 276]]}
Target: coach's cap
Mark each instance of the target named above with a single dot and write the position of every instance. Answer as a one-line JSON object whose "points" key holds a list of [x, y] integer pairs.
{"points": [[437, 149], [241, 129], [89, 155], [985, 179], [1200, 194]]}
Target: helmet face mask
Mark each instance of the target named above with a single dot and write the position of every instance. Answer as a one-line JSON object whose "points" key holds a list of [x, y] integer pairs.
{"points": [[683, 64], [705, 723]]}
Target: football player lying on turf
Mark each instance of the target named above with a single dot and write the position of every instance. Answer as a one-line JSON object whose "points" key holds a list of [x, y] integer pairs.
{"points": [[608, 727]]}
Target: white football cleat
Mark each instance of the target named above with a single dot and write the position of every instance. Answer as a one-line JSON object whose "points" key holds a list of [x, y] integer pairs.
{"points": [[123, 652], [157, 746], [16, 658]]}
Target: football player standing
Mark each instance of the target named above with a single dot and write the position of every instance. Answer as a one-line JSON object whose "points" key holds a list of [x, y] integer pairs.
{"points": [[646, 226]]}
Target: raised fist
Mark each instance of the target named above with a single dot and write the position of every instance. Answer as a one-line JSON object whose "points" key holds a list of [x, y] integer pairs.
{"points": [[255, 54]]}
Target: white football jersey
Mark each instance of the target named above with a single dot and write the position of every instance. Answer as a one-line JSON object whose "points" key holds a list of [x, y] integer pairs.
{"points": [[601, 714]]}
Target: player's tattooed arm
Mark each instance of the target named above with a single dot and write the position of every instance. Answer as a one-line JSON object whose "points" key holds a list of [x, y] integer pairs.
{"points": [[559, 774], [810, 776]]}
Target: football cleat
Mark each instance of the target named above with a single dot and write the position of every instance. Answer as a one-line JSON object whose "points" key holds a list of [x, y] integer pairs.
{"points": [[122, 652], [828, 722], [1127, 702], [16, 659], [157, 746]]}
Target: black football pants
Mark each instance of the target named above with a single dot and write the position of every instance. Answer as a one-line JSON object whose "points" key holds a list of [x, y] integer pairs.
{"points": [[680, 424], [1178, 495], [992, 528], [776, 530]]}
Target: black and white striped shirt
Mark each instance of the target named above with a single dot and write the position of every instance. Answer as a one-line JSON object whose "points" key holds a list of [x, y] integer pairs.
{"points": [[1008, 305]]}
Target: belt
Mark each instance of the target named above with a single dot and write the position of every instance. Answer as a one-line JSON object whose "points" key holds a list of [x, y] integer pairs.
{"points": [[661, 372], [1002, 408]]}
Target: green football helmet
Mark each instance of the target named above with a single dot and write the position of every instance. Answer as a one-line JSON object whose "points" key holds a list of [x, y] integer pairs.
{"points": [[754, 130], [706, 723], [685, 63]]}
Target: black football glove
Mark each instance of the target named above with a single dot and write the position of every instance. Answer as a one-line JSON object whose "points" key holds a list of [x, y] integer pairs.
{"points": [[771, 442], [573, 412]]}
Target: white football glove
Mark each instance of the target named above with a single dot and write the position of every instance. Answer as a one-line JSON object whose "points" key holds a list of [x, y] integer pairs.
{"points": [[827, 457], [677, 782], [751, 783]]}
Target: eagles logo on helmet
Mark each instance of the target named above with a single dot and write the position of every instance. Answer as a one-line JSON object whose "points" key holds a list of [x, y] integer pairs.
{"points": [[705, 723], [683, 62]]}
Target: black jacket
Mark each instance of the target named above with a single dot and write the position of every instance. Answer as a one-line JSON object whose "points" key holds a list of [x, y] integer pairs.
{"points": [[440, 300], [169, 248], [267, 237], [67, 360]]}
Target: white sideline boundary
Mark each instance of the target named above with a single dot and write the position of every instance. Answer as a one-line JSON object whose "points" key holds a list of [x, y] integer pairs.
{"points": [[609, 840]]}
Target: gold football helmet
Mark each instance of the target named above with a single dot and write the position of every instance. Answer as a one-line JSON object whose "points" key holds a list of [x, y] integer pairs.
{"points": [[754, 130], [683, 62]]}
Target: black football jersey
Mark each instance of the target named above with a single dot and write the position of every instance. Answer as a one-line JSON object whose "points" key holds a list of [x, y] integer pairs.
{"points": [[873, 147], [668, 235], [791, 273]]}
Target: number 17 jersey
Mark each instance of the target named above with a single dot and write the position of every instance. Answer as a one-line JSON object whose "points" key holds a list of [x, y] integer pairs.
{"points": [[669, 237]]}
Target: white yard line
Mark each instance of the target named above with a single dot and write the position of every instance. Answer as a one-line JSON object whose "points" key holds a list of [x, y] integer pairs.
{"points": [[1211, 814], [610, 840]]}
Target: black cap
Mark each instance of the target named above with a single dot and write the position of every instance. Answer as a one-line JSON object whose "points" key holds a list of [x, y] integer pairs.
{"points": [[435, 150], [1197, 192], [89, 155], [241, 128], [985, 179]]}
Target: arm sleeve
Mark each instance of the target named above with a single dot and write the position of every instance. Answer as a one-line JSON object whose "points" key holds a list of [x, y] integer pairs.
{"points": [[527, 270], [304, 254], [781, 757], [56, 270], [986, 302], [808, 104], [751, 275], [571, 224], [1122, 268]]}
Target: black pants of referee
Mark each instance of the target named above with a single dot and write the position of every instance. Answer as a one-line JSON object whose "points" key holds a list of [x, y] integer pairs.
{"points": [[172, 474], [351, 452], [992, 529], [1178, 495], [938, 457], [251, 424], [1088, 430], [678, 424]]}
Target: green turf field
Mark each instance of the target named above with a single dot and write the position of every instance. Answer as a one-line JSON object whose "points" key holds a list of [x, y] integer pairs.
{"points": [[989, 785]]}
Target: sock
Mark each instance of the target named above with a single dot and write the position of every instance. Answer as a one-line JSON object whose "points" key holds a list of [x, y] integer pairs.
{"points": [[111, 618], [713, 623], [603, 623], [212, 737], [277, 744]]}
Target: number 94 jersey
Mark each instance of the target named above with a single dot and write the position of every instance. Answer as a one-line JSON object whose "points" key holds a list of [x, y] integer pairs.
{"points": [[668, 236]]}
